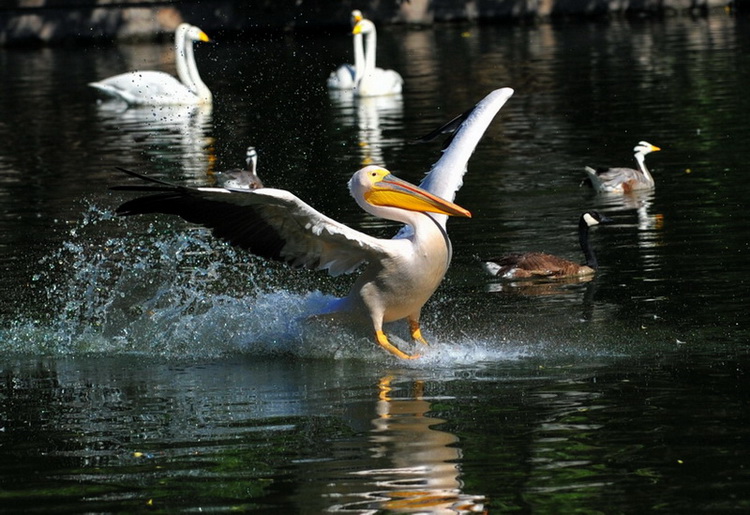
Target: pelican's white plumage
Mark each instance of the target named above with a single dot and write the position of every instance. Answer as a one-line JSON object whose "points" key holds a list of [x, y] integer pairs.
{"points": [[346, 76], [373, 81], [159, 88], [401, 273], [624, 180]]}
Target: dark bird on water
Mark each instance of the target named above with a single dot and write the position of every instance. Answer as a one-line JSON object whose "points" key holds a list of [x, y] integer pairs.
{"points": [[247, 179], [538, 265]]}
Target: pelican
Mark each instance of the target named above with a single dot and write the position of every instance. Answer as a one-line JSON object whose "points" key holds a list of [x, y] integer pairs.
{"points": [[374, 81], [159, 88], [401, 273], [347, 75], [624, 180], [247, 179], [536, 265]]}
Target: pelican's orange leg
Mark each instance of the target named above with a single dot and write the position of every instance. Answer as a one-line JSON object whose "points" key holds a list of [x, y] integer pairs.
{"points": [[416, 332]]}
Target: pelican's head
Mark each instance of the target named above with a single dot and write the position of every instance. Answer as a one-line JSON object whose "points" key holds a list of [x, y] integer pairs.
{"points": [[375, 187], [644, 147], [363, 26], [356, 17]]}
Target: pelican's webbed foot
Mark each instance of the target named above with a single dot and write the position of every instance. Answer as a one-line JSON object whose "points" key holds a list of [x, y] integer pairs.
{"points": [[382, 340]]}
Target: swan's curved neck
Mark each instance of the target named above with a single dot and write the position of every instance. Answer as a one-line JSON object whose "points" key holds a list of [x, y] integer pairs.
{"points": [[359, 57], [372, 42], [180, 57], [641, 160], [588, 251], [187, 70]]}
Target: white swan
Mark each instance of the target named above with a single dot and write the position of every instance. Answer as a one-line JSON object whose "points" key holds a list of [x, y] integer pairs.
{"points": [[347, 75], [159, 88], [374, 81]]}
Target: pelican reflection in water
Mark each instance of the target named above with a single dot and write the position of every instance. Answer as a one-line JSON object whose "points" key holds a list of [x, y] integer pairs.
{"points": [[401, 273], [420, 472]]}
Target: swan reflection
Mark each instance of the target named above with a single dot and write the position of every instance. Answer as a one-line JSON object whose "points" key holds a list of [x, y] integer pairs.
{"points": [[178, 133], [423, 474], [371, 116]]}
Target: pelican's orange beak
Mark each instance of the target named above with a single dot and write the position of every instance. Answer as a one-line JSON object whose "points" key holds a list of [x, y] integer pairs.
{"points": [[394, 192]]}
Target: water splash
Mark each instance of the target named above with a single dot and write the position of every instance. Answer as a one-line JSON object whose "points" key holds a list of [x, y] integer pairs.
{"points": [[163, 292], [175, 292]]}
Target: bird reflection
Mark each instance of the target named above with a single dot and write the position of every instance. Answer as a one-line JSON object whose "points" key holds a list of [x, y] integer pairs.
{"points": [[642, 203], [178, 133], [370, 115], [423, 476], [540, 287], [649, 224]]}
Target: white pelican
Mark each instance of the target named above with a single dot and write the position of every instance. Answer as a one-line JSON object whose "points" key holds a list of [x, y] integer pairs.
{"points": [[347, 75], [247, 179], [624, 180], [537, 265], [401, 273], [374, 81], [159, 88]]}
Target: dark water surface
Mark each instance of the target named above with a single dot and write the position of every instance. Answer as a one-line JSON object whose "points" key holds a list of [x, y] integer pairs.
{"points": [[147, 366]]}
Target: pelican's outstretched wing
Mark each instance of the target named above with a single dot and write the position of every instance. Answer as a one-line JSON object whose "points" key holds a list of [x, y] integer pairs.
{"points": [[446, 176], [268, 222]]}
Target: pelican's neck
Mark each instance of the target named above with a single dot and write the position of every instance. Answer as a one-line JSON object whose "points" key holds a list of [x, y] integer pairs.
{"points": [[427, 235], [641, 160], [371, 42], [422, 230], [359, 57], [588, 251]]}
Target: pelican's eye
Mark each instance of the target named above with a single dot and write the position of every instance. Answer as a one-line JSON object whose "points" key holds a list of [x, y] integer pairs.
{"points": [[377, 174]]}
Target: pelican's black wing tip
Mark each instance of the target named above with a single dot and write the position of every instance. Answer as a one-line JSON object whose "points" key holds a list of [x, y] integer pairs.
{"points": [[450, 128]]}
